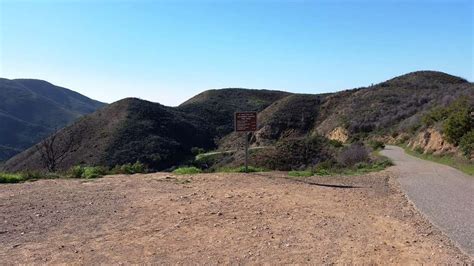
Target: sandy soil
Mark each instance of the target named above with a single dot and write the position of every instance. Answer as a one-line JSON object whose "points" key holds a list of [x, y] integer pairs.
{"points": [[217, 218]]}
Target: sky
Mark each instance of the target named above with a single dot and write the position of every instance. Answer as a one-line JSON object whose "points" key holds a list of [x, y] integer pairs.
{"points": [[168, 51]]}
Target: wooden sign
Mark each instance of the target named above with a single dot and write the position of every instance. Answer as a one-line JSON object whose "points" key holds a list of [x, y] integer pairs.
{"points": [[245, 121]]}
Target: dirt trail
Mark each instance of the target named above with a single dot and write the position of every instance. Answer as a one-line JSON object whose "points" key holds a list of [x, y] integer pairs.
{"points": [[444, 194], [216, 218]]}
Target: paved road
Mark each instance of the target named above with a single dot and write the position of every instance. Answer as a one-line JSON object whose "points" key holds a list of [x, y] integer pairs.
{"points": [[444, 194]]}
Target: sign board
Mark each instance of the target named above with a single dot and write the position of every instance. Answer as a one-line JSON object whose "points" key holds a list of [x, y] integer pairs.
{"points": [[245, 121]]}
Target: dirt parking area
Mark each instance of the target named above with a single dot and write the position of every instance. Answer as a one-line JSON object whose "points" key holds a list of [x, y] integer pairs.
{"points": [[217, 218]]}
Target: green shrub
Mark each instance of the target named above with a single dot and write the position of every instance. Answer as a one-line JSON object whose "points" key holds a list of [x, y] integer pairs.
{"points": [[24, 176], [322, 172], [187, 171], [435, 115], [402, 140], [459, 120], [335, 143], [466, 144], [326, 165], [306, 173], [376, 145], [88, 172], [11, 178], [363, 165], [129, 169], [384, 162], [251, 169], [76, 171], [419, 150], [138, 168], [94, 172]]}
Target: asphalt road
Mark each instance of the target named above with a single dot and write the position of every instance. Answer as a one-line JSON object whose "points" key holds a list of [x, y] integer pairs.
{"points": [[443, 194]]}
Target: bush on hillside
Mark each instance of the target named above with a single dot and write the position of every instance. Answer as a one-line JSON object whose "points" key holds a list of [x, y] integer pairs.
{"points": [[356, 153], [435, 115], [129, 169], [376, 145], [458, 122], [187, 171], [336, 143], [88, 172], [466, 144], [294, 154], [24, 176]]}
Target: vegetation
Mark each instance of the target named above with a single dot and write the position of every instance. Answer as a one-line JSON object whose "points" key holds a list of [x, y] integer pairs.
{"points": [[80, 171], [306, 173], [353, 160], [294, 153], [187, 171], [461, 164], [129, 169], [250, 169], [376, 145], [87, 172], [24, 176], [466, 144], [356, 153], [165, 137], [456, 123]]}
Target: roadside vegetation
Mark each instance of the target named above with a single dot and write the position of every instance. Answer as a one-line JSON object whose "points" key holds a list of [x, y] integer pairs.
{"points": [[461, 164], [354, 159], [453, 120]]}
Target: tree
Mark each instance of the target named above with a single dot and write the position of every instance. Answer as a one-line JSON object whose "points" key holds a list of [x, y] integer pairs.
{"points": [[54, 149]]}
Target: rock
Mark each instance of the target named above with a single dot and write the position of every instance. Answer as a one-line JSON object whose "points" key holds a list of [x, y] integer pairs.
{"points": [[339, 134]]}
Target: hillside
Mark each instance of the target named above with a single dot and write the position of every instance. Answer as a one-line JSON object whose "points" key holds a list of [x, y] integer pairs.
{"points": [[32, 109], [216, 106], [162, 137], [126, 131]]}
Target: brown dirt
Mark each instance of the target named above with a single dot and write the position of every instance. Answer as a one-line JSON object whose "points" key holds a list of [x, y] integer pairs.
{"points": [[217, 218]]}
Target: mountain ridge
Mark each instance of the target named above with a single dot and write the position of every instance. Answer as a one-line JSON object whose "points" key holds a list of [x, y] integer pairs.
{"points": [[163, 137], [32, 109]]}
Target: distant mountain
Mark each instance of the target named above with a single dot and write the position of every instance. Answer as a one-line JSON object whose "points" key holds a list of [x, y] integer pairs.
{"points": [[32, 109], [161, 137]]}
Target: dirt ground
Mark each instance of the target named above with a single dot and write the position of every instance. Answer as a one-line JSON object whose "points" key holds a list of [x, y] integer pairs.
{"points": [[217, 218]]}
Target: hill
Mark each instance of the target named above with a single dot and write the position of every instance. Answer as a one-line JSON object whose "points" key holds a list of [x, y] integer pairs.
{"points": [[32, 109], [126, 131], [217, 106], [163, 137]]}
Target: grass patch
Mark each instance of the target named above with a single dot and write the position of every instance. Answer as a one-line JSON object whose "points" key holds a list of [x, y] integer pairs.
{"points": [[11, 178], [463, 165], [329, 168], [251, 169], [24, 176], [187, 171], [306, 173]]}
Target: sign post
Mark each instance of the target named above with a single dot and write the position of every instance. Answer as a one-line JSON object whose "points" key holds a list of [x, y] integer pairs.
{"points": [[246, 122]]}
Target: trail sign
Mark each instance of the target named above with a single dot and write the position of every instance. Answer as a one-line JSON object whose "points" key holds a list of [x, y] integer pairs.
{"points": [[245, 122]]}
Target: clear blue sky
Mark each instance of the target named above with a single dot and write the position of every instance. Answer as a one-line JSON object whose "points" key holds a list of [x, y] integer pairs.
{"points": [[167, 51]]}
